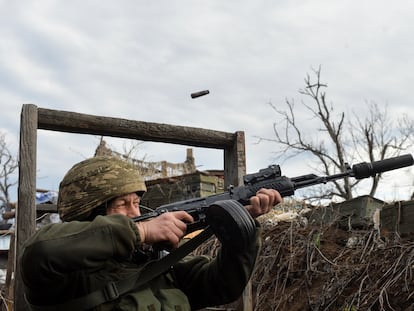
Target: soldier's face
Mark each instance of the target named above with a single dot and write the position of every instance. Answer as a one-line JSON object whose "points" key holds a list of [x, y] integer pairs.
{"points": [[127, 204]]}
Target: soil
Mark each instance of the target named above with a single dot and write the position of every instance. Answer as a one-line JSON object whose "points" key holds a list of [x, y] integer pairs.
{"points": [[326, 267]]}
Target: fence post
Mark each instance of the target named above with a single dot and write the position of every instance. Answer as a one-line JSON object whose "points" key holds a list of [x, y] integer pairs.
{"points": [[26, 196]]}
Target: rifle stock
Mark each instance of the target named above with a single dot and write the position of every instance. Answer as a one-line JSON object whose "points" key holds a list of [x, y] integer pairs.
{"points": [[271, 178]]}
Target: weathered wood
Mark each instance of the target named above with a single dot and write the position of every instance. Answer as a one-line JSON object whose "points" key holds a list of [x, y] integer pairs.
{"points": [[398, 217], [72, 122], [26, 197], [235, 161], [9, 282], [247, 298], [46, 208], [355, 213], [234, 170]]}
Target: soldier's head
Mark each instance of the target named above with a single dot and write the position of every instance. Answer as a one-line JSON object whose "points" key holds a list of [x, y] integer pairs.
{"points": [[99, 186]]}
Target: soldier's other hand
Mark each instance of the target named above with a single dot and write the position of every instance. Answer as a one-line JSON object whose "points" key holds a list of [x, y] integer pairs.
{"points": [[169, 227], [263, 202]]}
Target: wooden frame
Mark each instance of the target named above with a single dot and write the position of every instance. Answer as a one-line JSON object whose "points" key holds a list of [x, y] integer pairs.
{"points": [[34, 118]]}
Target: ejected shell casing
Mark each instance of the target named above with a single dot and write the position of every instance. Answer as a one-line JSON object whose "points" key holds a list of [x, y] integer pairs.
{"points": [[198, 94]]}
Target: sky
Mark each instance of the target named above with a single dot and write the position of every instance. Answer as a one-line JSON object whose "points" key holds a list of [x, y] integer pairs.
{"points": [[141, 60]]}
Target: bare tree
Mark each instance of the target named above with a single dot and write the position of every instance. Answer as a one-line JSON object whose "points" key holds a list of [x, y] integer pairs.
{"points": [[376, 137], [338, 140], [8, 165]]}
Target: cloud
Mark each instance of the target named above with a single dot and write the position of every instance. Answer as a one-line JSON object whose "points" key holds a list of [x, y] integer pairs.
{"points": [[141, 60]]}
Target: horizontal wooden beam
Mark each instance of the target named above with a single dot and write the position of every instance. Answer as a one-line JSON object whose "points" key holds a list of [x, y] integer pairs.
{"points": [[73, 122]]}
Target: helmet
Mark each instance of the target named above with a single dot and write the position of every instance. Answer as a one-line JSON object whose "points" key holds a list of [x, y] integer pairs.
{"points": [[92, 182]]}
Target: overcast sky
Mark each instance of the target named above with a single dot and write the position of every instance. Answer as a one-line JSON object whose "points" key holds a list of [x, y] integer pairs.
{"points": [[141, 60]]}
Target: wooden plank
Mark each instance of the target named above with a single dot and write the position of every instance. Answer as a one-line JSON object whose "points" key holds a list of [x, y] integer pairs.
{"points": [[407, 217], [9, 282], [398, 217], [235, 161], [72, 122], [234, 170], [388, 218], [26, 224], [46, 208]]}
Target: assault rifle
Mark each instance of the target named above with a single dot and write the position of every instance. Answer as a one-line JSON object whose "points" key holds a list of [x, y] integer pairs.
{"points": [[270, 177]]}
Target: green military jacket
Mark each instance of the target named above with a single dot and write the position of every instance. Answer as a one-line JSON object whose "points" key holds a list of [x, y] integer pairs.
{"points": [[64, 261]]}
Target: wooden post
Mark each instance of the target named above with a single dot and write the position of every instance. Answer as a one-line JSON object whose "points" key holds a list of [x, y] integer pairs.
{"points": [[234, 170], [26, 197], [247, 298], [9, 282], [235, 161]]}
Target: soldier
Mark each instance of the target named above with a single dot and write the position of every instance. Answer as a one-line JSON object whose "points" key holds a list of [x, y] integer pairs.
{"points": [[93, 259]]}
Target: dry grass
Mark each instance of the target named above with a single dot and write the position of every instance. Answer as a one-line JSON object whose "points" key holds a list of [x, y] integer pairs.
{"points": [[306, 267]]}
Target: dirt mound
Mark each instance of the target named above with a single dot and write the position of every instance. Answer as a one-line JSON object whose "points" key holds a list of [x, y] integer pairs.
{"points": [[328, 268], [307, 267]]}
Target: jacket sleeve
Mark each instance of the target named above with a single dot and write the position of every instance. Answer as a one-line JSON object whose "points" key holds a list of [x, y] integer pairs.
{"points": [[60, 249], [216, 281]]}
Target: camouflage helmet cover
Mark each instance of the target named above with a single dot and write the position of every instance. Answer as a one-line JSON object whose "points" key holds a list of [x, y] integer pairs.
{"points": [[92, 182]]}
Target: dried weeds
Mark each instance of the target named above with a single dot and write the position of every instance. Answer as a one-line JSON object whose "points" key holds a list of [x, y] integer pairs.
{"points": [[308, 267]]}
